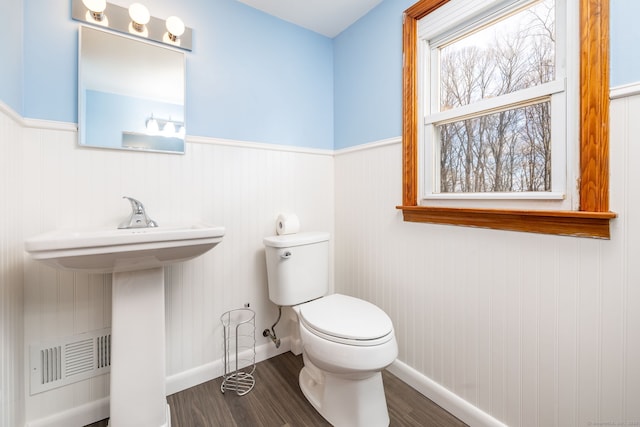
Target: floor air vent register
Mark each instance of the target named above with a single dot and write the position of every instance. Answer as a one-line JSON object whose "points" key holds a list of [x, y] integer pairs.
{"points": [[66, 360]]}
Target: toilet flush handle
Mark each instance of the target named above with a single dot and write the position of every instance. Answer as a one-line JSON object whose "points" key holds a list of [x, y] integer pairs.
{"points": [[285, 255]]}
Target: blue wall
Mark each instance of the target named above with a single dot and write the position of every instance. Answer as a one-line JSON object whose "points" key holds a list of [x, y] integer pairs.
{"points": [[253, 77], [249, 77], [625, 38], [368, 77], [11, 54]]}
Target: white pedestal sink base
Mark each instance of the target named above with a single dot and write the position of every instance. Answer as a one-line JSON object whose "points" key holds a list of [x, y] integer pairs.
{"points": [[138, 392]]}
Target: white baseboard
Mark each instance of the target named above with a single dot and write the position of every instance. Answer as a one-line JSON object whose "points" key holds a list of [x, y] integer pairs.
{"points": [[451, 402], [214, 369], [78, 416]]}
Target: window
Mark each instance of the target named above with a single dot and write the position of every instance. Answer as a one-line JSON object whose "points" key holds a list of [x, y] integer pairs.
{"points": [[494, 121], [495, 94]]}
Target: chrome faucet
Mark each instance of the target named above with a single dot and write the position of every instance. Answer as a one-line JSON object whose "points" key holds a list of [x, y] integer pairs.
{"points": [[138, 218]]}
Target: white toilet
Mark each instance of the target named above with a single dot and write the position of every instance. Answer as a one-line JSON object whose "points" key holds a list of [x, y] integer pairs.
{"points": [[346, 341]]}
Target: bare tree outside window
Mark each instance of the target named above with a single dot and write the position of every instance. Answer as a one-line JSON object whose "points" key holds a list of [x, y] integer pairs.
{"points": [[507, 150]]}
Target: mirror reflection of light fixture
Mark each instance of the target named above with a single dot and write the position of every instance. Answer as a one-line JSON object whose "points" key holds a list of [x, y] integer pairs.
{"points": [[165, 127], [96, 8], [140, 16], [175, 28]]}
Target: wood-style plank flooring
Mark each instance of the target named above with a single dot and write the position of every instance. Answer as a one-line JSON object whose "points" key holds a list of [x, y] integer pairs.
{"points": [[276, 401]]}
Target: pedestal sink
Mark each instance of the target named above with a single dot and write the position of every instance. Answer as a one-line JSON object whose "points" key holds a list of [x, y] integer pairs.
{"points": [[136, 257]]}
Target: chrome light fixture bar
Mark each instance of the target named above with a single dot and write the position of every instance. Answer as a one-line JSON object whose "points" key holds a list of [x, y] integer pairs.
{"points": [[135, 21]]}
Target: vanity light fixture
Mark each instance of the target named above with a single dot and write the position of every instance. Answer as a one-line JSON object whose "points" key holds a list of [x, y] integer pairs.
{"points": [[140, 16], [96, 9], [133, 20], [175, 28]]}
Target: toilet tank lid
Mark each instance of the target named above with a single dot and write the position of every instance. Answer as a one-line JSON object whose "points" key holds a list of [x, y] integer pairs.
{"points": [[297, 239]]}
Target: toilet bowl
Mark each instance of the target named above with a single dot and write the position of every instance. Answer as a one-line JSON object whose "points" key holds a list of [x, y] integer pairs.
{"points": [[343, 334], [346, 342], [344, 358]]}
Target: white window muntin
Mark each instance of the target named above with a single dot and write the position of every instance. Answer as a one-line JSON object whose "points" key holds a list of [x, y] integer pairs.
{"points": [[532, 95]]}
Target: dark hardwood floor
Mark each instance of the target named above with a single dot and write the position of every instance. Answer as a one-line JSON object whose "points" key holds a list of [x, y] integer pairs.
{"points": [[276, 400]]}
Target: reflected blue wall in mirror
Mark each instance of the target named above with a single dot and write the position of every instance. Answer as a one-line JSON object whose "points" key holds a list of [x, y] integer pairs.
{"points": [[109, 116]]}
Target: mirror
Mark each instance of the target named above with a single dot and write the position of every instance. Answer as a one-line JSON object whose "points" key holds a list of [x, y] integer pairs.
{"points": [[131, 93]]}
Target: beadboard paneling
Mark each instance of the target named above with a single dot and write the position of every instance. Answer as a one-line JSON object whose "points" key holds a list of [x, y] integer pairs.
{"points": [[243, 188], [534, 330], [11, 294]]}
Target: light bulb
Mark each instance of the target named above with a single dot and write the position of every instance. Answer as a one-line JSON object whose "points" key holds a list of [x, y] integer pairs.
{"points": [[169, 129], [139, 16], [175, 27], [152, 126], [96, 7]]}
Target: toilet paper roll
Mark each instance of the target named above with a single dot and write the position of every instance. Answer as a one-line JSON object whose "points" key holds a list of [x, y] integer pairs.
{"points": [[287, 224]]}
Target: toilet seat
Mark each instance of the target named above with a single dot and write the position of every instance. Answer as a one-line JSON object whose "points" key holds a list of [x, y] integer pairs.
{"points": [[346, 320]]}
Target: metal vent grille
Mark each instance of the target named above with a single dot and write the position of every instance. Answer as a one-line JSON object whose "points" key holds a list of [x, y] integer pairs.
{"points": [[51, 364], [70, 359], [103, 345], [79, 357]]}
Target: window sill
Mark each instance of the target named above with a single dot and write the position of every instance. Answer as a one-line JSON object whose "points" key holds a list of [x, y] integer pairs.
{"points": [[564, 223]]}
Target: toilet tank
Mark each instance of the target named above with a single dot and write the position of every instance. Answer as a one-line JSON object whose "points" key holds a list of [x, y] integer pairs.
{"points": [[297, 267]]}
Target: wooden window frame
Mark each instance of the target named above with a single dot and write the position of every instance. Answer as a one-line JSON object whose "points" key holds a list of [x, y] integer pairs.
{"points": [[593, 217]]}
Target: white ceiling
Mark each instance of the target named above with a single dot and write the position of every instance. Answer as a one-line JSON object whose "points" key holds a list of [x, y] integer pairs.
{"points": [[327, 17]]}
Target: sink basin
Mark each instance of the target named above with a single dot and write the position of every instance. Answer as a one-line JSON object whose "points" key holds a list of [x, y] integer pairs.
{"points": [[116, 250]]}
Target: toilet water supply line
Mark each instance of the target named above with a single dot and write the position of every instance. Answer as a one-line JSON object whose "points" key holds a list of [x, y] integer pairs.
{"points": [[272, 333]]}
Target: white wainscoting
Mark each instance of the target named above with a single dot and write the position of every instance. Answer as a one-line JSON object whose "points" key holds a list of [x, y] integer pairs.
{"points": [[11, 294], [240, 186], [533, 330]]}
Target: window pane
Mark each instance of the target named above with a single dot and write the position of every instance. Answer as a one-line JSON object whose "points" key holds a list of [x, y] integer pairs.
{"points": [[509, 151], [508, 55]]}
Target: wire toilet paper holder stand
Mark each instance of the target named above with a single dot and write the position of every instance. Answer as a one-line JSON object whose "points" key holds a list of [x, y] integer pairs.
{"points": [[239, 337]]}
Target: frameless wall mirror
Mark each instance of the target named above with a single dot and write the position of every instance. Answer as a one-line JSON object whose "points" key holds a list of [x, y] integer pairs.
{"points": [[131, 93]]}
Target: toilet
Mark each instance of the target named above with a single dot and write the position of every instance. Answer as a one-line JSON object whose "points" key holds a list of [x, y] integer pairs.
{"points": [[345, 342]]}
